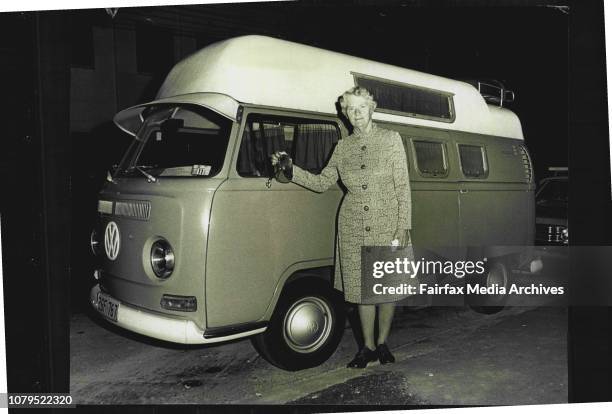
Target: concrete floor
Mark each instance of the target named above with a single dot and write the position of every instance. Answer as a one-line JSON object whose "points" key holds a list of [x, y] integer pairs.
{"points": [[445, 356]]}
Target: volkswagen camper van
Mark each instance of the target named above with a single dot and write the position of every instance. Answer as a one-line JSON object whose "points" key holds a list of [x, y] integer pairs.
{"points": [[197, 243]]}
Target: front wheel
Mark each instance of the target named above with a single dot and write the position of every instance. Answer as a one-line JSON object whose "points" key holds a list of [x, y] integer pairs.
{"points": [[306, 327]]}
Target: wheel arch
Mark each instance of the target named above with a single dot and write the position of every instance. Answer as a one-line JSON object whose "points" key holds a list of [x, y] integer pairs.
{"points": [[307, 321], [316, 270]]}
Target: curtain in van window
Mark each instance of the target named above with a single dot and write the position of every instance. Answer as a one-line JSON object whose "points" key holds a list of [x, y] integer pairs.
{"points": [[430, 157], [472, 160], [258, 142], [312, 146], [408, 99], [246, 164], [309, 145], [274, 137]]}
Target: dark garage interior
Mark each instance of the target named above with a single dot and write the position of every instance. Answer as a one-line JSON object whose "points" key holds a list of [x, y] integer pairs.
{"points": [[68, 72]]}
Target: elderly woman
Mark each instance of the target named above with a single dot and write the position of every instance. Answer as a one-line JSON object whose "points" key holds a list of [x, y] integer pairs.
{"points": [[376, 211]]}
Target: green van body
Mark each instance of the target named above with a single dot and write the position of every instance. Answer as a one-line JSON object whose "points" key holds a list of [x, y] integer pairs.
{"points": [[239, 241]]}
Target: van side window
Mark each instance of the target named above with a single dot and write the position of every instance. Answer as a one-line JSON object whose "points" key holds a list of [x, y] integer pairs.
{"points": [[309, 143], [408, 100], [473, 161], [431, 158]]}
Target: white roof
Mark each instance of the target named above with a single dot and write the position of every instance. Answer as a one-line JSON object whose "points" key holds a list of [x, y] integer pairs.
{"points": [[273, 72]]}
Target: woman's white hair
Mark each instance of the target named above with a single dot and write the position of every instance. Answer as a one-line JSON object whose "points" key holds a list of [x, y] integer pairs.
{"points": [[357, 91]]}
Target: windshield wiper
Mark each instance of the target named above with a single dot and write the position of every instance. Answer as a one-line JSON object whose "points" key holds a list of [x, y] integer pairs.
{"points": [[150, 178]]}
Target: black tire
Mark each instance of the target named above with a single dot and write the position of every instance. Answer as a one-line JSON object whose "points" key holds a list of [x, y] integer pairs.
{"points": [[306, 327], [497, 271]]}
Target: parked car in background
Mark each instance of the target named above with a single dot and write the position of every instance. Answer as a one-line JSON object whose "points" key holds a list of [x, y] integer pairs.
{"points": [[551, 209]]}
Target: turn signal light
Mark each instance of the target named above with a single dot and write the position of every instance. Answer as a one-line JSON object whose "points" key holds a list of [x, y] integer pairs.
{"points": [[179, 303]]}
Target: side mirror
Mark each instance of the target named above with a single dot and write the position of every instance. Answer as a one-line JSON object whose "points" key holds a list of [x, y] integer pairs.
{"points": [[109, 177]]}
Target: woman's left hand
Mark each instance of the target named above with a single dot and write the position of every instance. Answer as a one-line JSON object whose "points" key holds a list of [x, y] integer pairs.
{"points": [[403, 236]]}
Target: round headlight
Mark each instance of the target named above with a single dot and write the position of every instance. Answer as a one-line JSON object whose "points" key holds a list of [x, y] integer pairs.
{"points": [[162, 259], [94, 243]]}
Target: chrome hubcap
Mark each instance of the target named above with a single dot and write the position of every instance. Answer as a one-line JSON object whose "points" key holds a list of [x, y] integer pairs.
{"points": [[307, 324]]}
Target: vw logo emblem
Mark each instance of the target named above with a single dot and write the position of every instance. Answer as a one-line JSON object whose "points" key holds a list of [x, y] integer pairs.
{"points": [[112, 240], [313, 327]]}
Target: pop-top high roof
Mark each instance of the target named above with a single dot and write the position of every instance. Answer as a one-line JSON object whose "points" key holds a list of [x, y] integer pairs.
{"points": [[277, 73]]}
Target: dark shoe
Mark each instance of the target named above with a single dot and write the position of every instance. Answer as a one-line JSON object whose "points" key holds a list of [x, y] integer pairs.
{"points": [[362, 358], [384, 355]]}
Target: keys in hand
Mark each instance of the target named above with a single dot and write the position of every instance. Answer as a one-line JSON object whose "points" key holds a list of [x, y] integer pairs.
{"points": [[283, 166], [275, 158]]}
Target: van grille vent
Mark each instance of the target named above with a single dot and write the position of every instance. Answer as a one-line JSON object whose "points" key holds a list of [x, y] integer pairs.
{"points": [[526, 163], [133, 209]]}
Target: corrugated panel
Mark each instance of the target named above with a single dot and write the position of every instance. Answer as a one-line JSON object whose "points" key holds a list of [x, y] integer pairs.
{"points": [[526, 164]]}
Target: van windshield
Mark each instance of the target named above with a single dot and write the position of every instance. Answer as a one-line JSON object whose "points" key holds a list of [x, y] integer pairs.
{"points": [[177, 141]]}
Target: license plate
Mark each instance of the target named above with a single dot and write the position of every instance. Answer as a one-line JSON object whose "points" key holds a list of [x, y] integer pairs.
{"points": [[108, 306]]}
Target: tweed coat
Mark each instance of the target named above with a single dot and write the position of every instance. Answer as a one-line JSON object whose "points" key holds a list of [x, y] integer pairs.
{"points": [[374, 170]]}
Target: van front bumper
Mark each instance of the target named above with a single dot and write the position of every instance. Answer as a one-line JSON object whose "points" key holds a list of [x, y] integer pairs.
{"points": [[164, 327]]}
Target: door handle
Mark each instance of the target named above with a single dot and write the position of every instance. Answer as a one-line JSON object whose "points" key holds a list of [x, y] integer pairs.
{"points": [[463, 191]]}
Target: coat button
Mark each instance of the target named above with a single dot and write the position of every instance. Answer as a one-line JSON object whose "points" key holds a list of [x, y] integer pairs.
{"points": [[363, 148], [365, 186], [366, 208], [367, 228], [363, 166]]}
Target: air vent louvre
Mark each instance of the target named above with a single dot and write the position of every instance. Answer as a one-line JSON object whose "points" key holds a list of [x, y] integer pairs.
{"points": [[526, 164], [133, 209]]}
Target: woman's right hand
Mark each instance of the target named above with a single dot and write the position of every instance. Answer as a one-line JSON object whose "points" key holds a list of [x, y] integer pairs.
{"points": [[283, 165], [275, 157]]}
